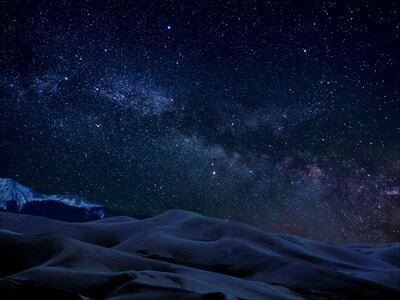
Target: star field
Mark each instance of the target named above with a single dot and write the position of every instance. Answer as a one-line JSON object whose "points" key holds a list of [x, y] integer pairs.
{"points": [[283, 115]]}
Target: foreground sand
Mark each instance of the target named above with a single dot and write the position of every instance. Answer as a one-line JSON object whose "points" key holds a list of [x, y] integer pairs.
{"points": [[182, 255]]}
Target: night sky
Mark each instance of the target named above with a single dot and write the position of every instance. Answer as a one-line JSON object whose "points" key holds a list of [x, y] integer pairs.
{"points": [[280, 114]]}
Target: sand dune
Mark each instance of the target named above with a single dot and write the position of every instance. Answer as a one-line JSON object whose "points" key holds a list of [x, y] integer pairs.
{"points": [[182, 255]]}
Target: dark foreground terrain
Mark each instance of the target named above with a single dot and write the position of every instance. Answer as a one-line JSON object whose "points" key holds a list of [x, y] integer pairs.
{"points": [[182, 255]]}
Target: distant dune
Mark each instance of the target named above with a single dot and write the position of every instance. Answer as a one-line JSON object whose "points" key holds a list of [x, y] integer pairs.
{"points": [[183, 255]]}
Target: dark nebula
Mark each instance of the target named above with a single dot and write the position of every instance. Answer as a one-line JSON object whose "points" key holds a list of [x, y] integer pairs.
{"points": [[279, 114]]}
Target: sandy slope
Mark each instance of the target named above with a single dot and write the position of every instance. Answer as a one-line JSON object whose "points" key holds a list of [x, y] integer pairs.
{"points": [[182, 255]]}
